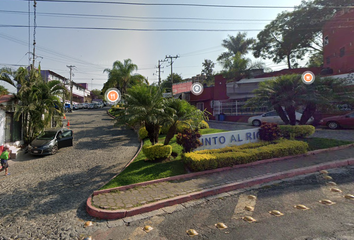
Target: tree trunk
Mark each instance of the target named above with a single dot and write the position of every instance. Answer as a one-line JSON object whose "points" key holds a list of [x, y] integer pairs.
{"points": [[288, 60], [308, 113], [153, 132], [171, 132], [281, 113], [290, 110]]}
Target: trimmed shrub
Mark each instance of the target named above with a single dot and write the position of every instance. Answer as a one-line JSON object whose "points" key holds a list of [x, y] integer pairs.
{"points": [[189, 140], [269, 131], [181, 126], [297, 131], [143, 133], [157, 151], [201, 160], [203, 125]]}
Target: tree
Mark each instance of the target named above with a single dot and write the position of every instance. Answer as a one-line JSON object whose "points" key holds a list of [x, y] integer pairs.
{"points": [[178, 110], [208, 67], [293, 34], [97, 93], [144, 107], [239, 44], [286, 93], [3, 91], [120, 76], [38, 102], [6, 76], [166, 84]]}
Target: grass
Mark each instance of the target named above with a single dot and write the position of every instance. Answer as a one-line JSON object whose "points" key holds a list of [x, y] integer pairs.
{"points": [[322, 143], [142, 171]]}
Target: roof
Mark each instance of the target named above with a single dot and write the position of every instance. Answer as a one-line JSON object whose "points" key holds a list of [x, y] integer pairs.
{"points": [[5, 98]]}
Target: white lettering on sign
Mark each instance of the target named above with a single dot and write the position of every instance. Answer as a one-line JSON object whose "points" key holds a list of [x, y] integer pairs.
{"points": [[225, 139]]}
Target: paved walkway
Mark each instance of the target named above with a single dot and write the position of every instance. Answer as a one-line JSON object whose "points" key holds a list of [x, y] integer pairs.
{"points": [[136, 199]]}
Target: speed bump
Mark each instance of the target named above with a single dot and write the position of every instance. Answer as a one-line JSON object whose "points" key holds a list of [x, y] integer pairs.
{"points": [[276, 213], [301, 207]]}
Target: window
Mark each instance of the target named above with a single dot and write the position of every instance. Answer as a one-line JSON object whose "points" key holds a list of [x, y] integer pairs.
{"points": [[342, 52], [328, 60], [271, 114], [325, 41], [200, 106]]}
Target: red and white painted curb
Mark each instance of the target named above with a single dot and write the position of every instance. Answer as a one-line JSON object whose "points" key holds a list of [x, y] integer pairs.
{"points": [[121, 213]]}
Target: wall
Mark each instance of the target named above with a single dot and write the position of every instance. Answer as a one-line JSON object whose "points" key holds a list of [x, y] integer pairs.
{"points": [[340, 33], [2, 126]]}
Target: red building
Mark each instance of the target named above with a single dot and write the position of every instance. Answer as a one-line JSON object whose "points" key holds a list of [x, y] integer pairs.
{"points": [[338, 39]]}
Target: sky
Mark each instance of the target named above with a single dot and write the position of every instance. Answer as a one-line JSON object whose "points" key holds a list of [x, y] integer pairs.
{"points": [[121, 31]]}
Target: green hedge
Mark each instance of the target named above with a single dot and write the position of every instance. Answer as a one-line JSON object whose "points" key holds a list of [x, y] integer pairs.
{"points": [[203, 125], [157, 151], [143, 133], [297, 131], [227, 157]]}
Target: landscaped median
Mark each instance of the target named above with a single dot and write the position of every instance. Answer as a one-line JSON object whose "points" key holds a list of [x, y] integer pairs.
{"points": [[229, 156]]}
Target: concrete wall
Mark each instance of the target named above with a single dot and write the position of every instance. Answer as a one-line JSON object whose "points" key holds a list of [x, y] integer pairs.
{"points": [[2, 127]]}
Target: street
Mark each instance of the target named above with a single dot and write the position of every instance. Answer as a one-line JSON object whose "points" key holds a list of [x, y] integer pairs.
{"points": [[44, 197], [319, 222]]}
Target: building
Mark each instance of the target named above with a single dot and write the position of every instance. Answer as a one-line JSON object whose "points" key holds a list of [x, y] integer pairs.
{"points": [[10, 130], [338, 41]]}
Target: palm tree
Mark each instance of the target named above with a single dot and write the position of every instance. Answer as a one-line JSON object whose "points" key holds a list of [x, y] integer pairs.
{"points": [[38, 102], [120, 76], [6, 76], [144, 107], [178, 110], [289, 92], [239, 44]]}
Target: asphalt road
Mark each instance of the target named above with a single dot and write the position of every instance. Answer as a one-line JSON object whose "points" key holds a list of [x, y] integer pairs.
{"points": [[44, 197], [319, 222]]}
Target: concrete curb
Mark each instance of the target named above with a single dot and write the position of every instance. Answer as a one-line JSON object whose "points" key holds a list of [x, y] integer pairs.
{"points": [[106, 214], [116, 214]]}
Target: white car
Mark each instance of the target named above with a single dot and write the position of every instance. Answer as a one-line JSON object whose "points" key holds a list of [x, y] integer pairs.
{"points": [[273, 117]]}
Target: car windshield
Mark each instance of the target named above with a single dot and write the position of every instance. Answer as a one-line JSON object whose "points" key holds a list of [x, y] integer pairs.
{"points": [[46, 135]]}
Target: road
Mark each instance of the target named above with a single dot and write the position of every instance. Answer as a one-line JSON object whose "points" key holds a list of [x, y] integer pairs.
{"points": [[44, 197], [319, 222]]}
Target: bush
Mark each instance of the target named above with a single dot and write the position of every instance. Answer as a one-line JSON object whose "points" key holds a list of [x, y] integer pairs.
{"points": [[269, 131], [227, 157], [189, 140], [297, 131], [143, 133], [181, 126], [164, 129], [157, 151], [203, 125]]}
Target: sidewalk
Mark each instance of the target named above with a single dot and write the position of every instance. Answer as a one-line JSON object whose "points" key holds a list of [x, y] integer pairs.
{"points": [[144, 197]]}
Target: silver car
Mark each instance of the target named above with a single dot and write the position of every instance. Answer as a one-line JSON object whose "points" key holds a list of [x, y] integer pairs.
{"points": [[273, 117]]}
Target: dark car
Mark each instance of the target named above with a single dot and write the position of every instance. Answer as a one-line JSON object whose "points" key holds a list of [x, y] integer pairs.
{"points": [[50, 141], [342, 121]]}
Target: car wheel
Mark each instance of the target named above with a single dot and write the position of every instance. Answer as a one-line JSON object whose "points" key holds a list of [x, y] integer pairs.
{"points": [[332, 125], [256, 123], [54, 149]]}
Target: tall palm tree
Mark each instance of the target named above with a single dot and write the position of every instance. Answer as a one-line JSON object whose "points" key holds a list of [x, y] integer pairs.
{"points": [[6, 76], [121, 76], [239, 44], [144, 107]]}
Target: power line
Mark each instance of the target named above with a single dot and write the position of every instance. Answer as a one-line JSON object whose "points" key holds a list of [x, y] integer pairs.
{"points": [[138, 29], [165, 4], [51, 14]]}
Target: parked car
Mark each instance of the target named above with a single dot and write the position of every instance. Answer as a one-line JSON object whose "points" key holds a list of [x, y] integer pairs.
{"points": [[342, 121], [75, 106], [85, 105], [50, 141], [273, 117], [91, 106], [67, 107]]}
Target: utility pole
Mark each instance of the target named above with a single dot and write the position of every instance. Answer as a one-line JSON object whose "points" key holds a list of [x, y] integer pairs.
{"points": [[171, 62], [34, 31], [159, 67], [71, 85]]}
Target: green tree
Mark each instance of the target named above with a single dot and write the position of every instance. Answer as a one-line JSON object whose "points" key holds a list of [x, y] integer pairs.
{"points": [[3, 91], [166, 84], [97, 93], [121, 76], [144, 107], [6, 76], [286, 93], [38, 102], [234, 45], [178, 110], [208, 69]]}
